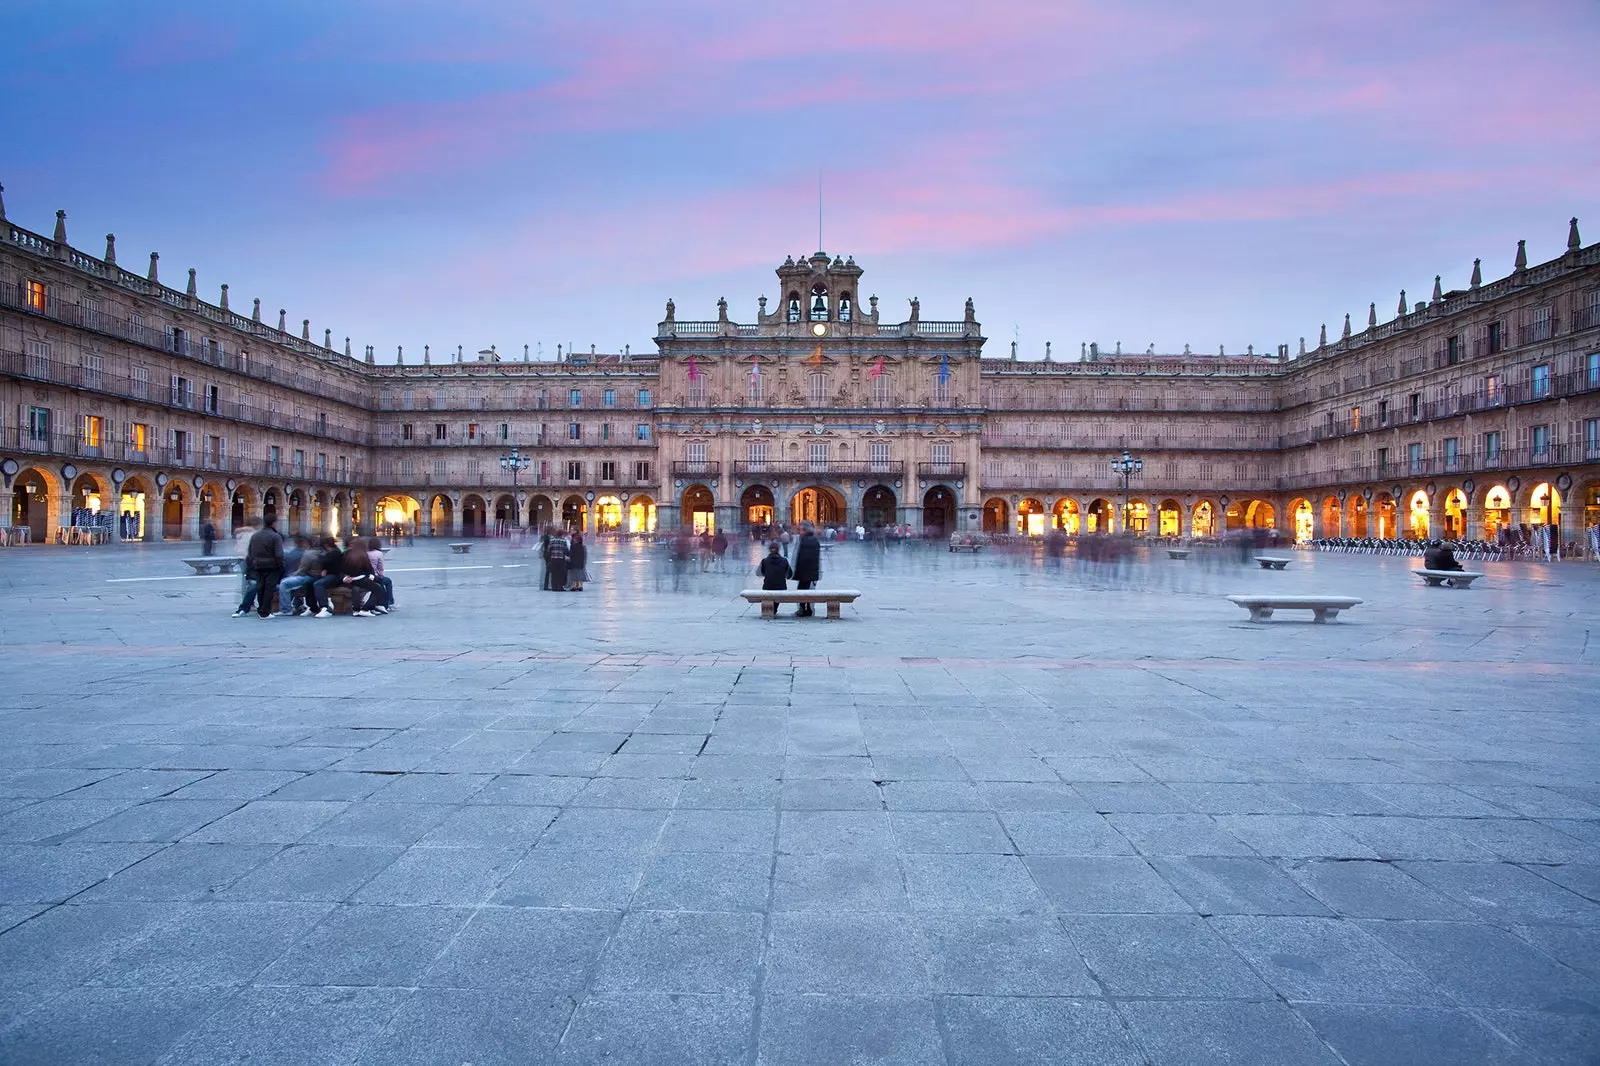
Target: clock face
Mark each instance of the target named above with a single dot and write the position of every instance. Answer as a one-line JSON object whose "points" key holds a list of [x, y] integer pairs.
{"points": [[819, 330]]}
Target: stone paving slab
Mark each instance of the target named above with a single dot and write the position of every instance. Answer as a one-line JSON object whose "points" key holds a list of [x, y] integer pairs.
{"points": [[998, 813]]}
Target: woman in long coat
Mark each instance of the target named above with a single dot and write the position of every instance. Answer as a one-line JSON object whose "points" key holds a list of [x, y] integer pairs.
{"points": [[577, 559], [556, 563]]}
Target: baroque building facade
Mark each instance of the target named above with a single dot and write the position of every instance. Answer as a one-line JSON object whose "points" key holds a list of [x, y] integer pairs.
{"points": [[146, 410]]}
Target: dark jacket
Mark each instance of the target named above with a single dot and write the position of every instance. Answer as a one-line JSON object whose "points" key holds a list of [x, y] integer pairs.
{"points": [[265, 551], [1440, 558], [310, 564], [578, 555], [808, 558], [558, 551], [775, 572], [333, 561]]}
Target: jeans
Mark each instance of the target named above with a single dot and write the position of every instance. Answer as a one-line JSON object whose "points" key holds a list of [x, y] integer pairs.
{"points": [[386, 597], [289, 586], [258, 588], [319, 590], [805, 608]]}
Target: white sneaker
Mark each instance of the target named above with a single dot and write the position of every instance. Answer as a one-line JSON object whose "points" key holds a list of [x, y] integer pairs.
{"points": [[380, 610], [362, 614], [324, 613], [240, 614]]}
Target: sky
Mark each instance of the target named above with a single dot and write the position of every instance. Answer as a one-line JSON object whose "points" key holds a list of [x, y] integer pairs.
{"points": [[1229, 173]]}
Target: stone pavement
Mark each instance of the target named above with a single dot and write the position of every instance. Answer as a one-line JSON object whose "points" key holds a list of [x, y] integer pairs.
{"points": [[998, 814]]}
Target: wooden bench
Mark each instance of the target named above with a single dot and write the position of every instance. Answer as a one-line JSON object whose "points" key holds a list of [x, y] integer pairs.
{"points": [[769, 600], [461, 547], [216, 564], [1322, 608], [1177, 553], [1272, 562], [1456, 579]]}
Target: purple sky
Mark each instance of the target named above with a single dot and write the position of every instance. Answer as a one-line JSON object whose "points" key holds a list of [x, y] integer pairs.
{"points": [[494, 172]]}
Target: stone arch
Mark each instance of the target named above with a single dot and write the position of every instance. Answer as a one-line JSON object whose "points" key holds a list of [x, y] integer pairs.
{"points": [[758, 508], [1136, 516], [641, 514], [1455, 515], [541, 511], [135, 502], [1356, 515], [36, 502], [879, 507], [575, 512], [176, 499], [244, 504], [820, 505], [1302, 520], [1417, 524], [1203, 519], [996, 516], [1030, 516], [1586, 503], [609, 515], [1545, 506], [1332, 515], [89, 492], [215, 507], [299, 510], [1169, 519], [1100, 516], [939, 510], [1066, 516], [1384, 516], [474, 515], [505, 513], [1495, 511]]}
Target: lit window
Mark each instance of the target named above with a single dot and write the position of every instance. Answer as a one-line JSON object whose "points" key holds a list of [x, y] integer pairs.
{"points": [[94, 428], [34, 295]]}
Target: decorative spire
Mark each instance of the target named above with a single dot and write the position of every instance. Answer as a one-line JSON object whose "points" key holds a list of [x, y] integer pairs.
{"points": [[1574, 242], [370, 357], [224, 304], [1438, 292], [111, 249], [458, 353], [1477, 274], [1322, 338], [1403, 310], [347, 347], [305, 329], [427, 357], [155, 257], [1302, 346], [60, 235], [255, 314], [1047, 351], [1372, 315], [524, 353], [327, 338], [1522, 256], [2, 203], [283, 320], [399, 355], [191, 290], [1346, 334]]}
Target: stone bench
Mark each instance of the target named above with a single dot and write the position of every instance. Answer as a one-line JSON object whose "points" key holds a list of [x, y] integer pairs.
{"points": [[1322, 608], [216, 564], [1272, 562], [1456, 579], [461, 547], [769, 600], [1177, 553]]}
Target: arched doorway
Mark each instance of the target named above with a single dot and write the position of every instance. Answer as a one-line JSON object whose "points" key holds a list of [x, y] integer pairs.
{"points": [[172, 511], [132, 508], [336, 516], [698, 510], [1455, 515], [474, 516], [505, 510], [575, 513], [1383, 509], [297, 512], [32, 493], [1544, 507], [608, 514], [1496, 511], [1203, 520], [320, 526], [1136, 520], [757, 507], [269, 505], [996, 516], [1100, 516], [1260, 515], [1169, 519], [88, 494], [1030, 517], [541, 511], [1066, 517], [1591, 506], [442, 516], [1417, 516], [1358, 516], [641, 515], [817, 504], [397, 510], [878, 507], [939, 510], [1331, 513], [1301, 519]]}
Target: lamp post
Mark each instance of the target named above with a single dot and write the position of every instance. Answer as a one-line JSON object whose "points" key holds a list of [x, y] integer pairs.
{"points": [[516, 462], [1126, 466]]}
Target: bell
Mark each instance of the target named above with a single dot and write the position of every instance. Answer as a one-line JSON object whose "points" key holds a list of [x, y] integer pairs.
{"points": [[818, 307]]}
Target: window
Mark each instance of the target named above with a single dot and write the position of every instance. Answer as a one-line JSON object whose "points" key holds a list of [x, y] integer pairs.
{"points": [[181, 445], [794, 307], [1355, 418], [344, 468], [574, 470], [641, 431], [274, 459], [181, 391], [1591, 371], [1591, 438], [34, 295], [575, 398], [605, 431], [641, 470], [441, 432], [178, 341], [1415, 400], [608, 471], [138, 437], [819, 388], [1383, 412], [1496, 342], [299, 463], [407, 431], [755, 453], [941, 391], [1491, 446], [39, 424], [1539, 326], [755, 387], [610, 398], [941, 455], [1452, 351], [574, 430], [880, 391], [94, 431], [1540, 440], [216, 451], [1491, 389], [844, 307], [819, 303], [213, 395], [1541, 380], [91, 365], [322, 423], [141, 382], [1383, 459], [1414, 457], [1452, 453], [505, 431], [472, 432], [878, 454], [817, 455], [644, 397], [695, 452], [697, 391], [39, 360]]}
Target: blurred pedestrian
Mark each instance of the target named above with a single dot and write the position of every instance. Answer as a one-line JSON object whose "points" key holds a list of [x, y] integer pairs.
{"points": [[807, 564]]}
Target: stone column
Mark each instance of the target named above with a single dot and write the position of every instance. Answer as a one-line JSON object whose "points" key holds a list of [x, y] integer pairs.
{"points": [[191, 516], [7, 502], [155, 515]]}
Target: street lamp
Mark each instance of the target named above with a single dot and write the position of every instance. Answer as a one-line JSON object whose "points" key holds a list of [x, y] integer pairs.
{"points": [[1126, 467], [516, 462]]}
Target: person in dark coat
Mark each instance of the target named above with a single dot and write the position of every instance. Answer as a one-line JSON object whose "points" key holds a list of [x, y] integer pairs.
{"points": [[263, 568], [1439, 557], [577, 558], [544, 556], [556, 563], [774, 569], [208, 538], [807, 563]]}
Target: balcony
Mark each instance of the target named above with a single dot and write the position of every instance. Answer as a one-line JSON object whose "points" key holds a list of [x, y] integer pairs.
{"points": [[942, 471], [685, 468], [790, 469]]}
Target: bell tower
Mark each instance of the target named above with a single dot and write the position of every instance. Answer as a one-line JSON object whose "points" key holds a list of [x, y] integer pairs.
{"points": [[817, 289]]}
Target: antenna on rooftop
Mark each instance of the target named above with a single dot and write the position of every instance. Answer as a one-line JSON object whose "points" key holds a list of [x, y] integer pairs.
{"points": [[819, 209]]}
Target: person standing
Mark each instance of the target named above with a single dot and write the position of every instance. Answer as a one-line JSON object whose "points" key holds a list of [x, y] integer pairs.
{"points": [[577, 559], [807, 564], [263, 569], [544, 557], [556, 563], [208, 538], [719, 548]]}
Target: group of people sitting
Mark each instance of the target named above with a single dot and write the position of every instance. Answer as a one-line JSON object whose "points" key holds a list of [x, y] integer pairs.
{"points": [[302, 578]]}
